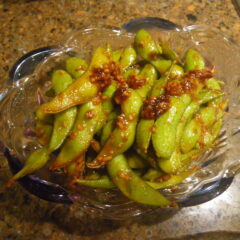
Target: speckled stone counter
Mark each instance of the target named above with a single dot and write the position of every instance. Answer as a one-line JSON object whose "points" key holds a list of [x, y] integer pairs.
{"points": [[26, 25]]}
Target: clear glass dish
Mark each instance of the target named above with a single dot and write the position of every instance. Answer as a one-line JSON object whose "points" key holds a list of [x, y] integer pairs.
{"points": [[18, 101]]}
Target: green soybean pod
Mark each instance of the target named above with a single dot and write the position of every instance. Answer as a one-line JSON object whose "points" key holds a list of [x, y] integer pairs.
{"points": [[131, 71], [81, 135], [128, 57], [210, 135], [168, 52], [107, 130], [131, 185], [63, 121], [107, 105], [176, 71], [175, 162], [192, 133], [178, 162], [148, 73], [193, 130], [144, 127], [173, 180], [116, 55], [149, 51], [103, 182], [43, 132], [193, 60], [35, 161], [145, 45], [123, 137], [143, 135], [76, 66], [76, 168], [81, 90], [152, 174], [164, 138], [136, 161], [43, 127]]}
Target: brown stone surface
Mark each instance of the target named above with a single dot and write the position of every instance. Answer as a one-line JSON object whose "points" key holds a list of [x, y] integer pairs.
{"points": [[26, 25]]}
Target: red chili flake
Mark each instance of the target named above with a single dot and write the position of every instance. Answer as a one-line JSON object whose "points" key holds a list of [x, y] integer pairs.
{"points": [[174, 88], [90, 114], [155, 106], [95, 145], [122, 121], [199, 75], [153, 55], [72, 135], [135, 82], [124, 175], [122, 94]]}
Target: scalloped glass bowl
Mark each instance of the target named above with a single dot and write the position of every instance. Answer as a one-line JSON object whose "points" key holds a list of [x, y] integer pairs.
{"points": [[18, 106]]}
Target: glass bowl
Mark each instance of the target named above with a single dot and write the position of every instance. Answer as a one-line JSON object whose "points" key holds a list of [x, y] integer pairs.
{"points": [[19, 100]]}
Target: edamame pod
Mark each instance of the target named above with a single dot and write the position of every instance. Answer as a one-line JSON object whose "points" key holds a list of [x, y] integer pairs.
{"points": [[164, 138], [148, 73], [152, 174], [43, 132], [123, 135], [145, 126], [168, 52], [63, 121], [174, 162], [149, 51], [80, 91], [179, 162], [193, 130], [128, 58], [35, 161], [173, 179], [193, 61], [133, 186], [102, 182], [76, 168], [107, 105], [176, 71], [136, 161], [81, 135], [76, 66], [43, 127], [116, 55], [130, 72], [107, 130]]}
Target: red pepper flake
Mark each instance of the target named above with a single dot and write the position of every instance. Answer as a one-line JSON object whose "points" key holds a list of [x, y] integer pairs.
{"points": [[122, 122], [122, 94], [97, 100], [79, 68], [153, 55], [199, 75], [90, 114], [80, 127], [95, 145], [155, 106], [141, 44], [174, 88], [135, 82], [189, 82], [124, 175], [72, 135], [153, 129], [104, 159]]}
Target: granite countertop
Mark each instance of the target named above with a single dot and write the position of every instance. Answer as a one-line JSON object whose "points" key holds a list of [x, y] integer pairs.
{"points": [[26, 25]]}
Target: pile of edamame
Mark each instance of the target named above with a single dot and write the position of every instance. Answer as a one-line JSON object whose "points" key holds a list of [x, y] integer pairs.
{"points": [[133, 119]]}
